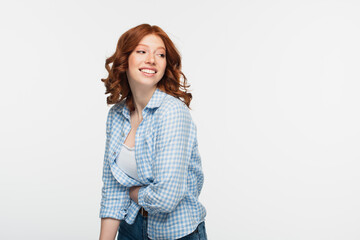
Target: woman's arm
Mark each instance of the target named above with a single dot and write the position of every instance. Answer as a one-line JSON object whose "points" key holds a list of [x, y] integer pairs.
{"points": [[109, 227], [115, 198]]}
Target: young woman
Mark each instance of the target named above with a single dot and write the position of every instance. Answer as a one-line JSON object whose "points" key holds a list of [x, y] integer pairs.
{"points": [[152, 173]]}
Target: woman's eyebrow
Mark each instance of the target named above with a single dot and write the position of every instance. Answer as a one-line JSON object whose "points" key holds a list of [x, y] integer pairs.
{"points": [[148, 46]]}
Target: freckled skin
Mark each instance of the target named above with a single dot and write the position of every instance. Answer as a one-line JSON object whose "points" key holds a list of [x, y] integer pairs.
{"points": [[150, 53]]}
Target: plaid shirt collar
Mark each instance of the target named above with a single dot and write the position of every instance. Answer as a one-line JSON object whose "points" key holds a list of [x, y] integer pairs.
{"points": [[155, 102]]}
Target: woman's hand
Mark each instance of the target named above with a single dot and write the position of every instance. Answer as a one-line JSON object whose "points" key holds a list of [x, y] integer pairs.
{"points": [[134, 191]]}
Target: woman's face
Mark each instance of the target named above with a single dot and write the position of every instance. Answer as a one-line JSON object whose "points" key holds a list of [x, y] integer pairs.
{"points": [[147, 63]]}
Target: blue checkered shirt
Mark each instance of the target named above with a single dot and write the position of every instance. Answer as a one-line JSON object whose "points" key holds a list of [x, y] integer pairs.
{"points": [[168, 166]]}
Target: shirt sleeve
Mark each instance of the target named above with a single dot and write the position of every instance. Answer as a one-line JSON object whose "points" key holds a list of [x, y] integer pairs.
{"points": [[175, 137], [115, 197]]}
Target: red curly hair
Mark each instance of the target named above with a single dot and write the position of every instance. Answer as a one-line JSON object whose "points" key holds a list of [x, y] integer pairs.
{"points": [[117, 83]]}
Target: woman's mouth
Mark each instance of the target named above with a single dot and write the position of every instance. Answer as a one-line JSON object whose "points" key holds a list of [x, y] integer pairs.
{"points": [[148, 72]]}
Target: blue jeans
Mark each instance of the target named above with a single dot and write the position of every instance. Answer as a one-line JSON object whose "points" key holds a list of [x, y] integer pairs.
{"points": [[138, 230]]}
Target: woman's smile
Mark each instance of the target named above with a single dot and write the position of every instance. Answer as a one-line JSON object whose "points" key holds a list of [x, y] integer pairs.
{"points": [[148, 72]]}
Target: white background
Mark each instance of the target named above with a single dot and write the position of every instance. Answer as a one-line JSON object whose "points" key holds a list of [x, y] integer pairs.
{"points": [[276, 102]]}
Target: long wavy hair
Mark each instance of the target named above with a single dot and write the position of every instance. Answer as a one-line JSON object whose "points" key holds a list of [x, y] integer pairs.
{"points": [[173, 82]]}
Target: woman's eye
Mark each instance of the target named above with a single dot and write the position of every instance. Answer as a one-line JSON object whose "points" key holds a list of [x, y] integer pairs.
{"points": [[162, 55], [140, 51]]}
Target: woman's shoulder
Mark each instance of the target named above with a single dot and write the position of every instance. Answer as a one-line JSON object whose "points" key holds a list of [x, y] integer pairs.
{"points": [[172, 109], [173, 104]]}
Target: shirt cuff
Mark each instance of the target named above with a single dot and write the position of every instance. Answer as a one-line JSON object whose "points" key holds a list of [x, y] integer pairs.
{"points": [[142, 200], [141, 196], [112, 213]]}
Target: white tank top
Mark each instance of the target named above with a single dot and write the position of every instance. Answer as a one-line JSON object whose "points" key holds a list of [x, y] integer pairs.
{"points": [[126, 161]]}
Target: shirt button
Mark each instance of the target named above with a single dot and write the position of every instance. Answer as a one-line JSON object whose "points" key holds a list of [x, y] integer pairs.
{"points": [[122, 134], [114, 153]]}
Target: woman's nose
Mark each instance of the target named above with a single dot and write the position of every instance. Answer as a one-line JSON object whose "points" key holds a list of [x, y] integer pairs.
{"points": [[150, 58]]}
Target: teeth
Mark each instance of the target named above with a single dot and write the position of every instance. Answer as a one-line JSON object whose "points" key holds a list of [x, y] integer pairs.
{"points": [[147, 71]]}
